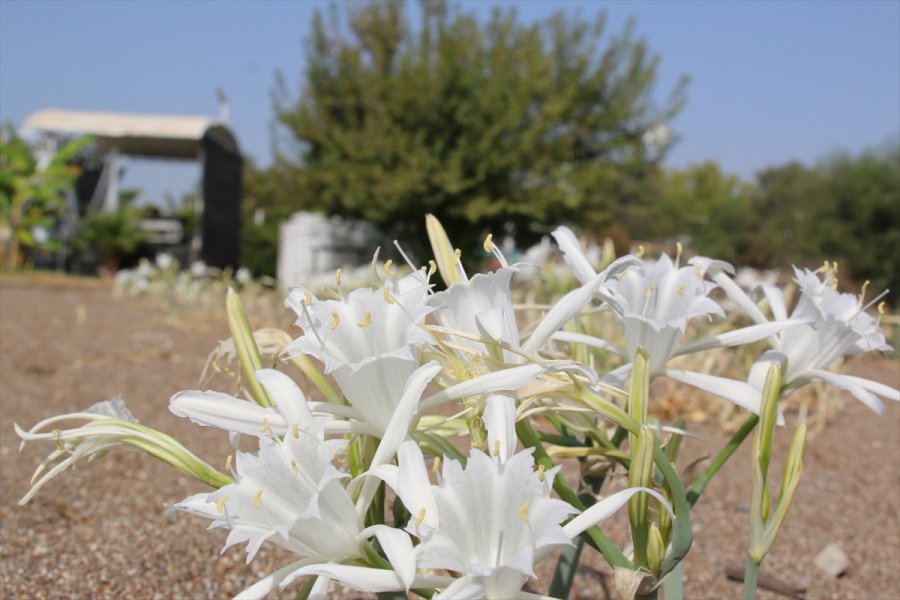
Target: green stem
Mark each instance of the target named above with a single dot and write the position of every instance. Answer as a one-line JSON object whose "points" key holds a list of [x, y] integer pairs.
{"points": [[673, 584], [733, 444], [750, 576]]}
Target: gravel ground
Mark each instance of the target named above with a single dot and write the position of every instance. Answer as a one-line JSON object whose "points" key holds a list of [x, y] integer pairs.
{"points": [[104, 531]]}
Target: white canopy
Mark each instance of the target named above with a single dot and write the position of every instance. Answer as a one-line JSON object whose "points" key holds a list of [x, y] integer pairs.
{"points": [[164, 136]]}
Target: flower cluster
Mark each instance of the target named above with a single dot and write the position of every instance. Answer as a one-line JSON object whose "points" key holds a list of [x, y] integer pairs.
{"points": [[409, 375]]}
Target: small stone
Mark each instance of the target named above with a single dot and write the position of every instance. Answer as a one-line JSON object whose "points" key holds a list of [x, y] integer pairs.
{"points": [[832, 560]]}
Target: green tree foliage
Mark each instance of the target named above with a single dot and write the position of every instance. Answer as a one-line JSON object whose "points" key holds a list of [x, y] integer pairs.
{"points": [[846, 208], [31, 195], [262, 211], [478, 123]]}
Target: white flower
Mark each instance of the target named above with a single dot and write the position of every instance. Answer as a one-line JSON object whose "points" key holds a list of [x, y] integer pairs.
{"points": [[834, 325], [369, 341], [491, 520]]}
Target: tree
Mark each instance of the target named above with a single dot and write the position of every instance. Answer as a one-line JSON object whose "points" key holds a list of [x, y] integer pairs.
{"points": [[482, 124], [31, 194]]}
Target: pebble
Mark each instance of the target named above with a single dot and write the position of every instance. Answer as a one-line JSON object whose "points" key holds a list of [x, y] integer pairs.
{"points": [[832, 560]]}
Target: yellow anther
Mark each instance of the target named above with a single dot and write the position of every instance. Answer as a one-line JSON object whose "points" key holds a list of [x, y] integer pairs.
{"points": [[679, 248], [881, 307], [541, 472], [337, 277], [58, 434], [294, 467], [458, 254], [228, 462], [862, 291], [387, 268], [367, 320], [295, 431], [335, 319], [265, 425], [307, 299], [523, 512], [640, 252], [681, 290], [489, 243], [496, 447], [387, 294], [432, 268], [257, 501], [698, 273], [220, 504], [421, 516], [436, 466], [651, 288]]}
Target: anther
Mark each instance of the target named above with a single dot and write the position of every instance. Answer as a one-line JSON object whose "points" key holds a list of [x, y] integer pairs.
{"points": [[295, 431], [698, 273], [387, 268], [220, 504], [257, 502], [496, 447], [862, 291], [489, 243], [367, 320], [294, 467], [335, 319], [523, 510], [307, 299], [58, 434], [678, 248], [458, 254], [265, 425], [681, 290], [432, 268], [541, 472], [337, 277], [387, 294], [437, 464], [881, 307], [421, 516], [640, 252], [228, 462]]}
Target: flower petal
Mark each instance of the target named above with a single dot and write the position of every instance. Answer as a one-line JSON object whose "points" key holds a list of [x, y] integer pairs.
{"points": [[500, 420], [398, 548], [287, 395], [495, 381], [849, 384], [603, 509], [742, 394]]}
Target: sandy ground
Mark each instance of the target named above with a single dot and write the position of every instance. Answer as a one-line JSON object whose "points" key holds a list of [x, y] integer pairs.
{"points": [[104, 531]]}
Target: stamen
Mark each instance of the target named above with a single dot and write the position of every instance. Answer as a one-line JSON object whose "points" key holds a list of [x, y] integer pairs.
{"points": [[881, 307], [257, 502], [458, 254], [650, 289], [522, 512], [437, 464], [387, 268], [421, 516], [307, 299], [335, 319], [489, 243], [541, 472], [294, 467], [862, 292], [220, 503], [496, 447], [698, 273], [295, 431], [681, 290], [265, 425], [337, 277], [432, 268], [640, 252], [387, 294], [678, 250], [228, 462], [367, 320], [58, 434]]}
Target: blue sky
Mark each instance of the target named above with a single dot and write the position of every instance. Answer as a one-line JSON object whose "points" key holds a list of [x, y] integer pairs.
{"points": [[770, 81]]}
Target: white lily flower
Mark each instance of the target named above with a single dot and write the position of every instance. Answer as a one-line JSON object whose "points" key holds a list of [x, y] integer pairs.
{"points": [[109, 426], [835, 325], [369, 341], [491, 520], [290, 493], [481, 306]]}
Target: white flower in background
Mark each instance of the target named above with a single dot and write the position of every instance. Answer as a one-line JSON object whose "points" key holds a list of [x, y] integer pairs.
{"points": [[835, 325], [243, 275], [369, 341], [491, 520], [655, 301], [164, 260]]}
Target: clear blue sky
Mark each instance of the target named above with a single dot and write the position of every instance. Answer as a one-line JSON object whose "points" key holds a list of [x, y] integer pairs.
{"points": [[770, 81]]}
